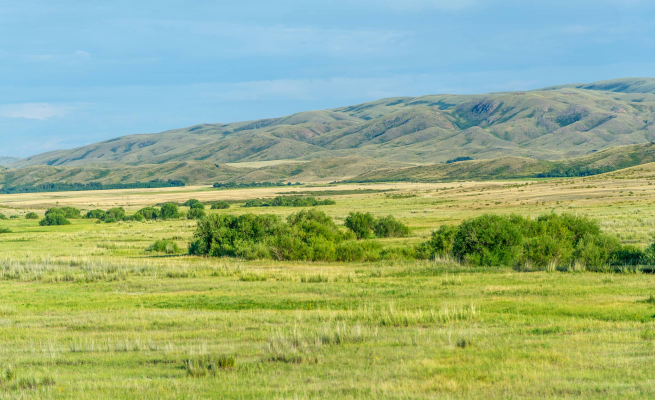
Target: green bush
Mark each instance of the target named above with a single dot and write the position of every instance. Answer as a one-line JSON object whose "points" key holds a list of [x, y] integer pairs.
{"points": [[255, 203], [164, 246], [54, 219], [196, 213], [2, 216], [114, 214], [220, 205], [169, 211], [193, 204], [596, 251], [136, 217], [5, 230], [360, 223], [31, 215], [67, 212], [489, 240], [149, 213], [96, 214], [389, 227], [440, 243], [308, 235]]}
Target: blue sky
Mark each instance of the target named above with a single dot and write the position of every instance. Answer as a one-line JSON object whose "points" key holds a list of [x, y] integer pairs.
{"points": [[77, 72]]}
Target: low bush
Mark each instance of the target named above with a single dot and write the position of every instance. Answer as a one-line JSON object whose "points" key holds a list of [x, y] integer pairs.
{"points": [[542, 243], [360, 223], [169, 211], [220, 205], [289, 201], [364, 226], [2, 216], [196, 213], [149, 213], [164, 246], [67, 212], [54, 219], [96, 214], [31, 215], [308, 235], [5, 230], [194, 204]]}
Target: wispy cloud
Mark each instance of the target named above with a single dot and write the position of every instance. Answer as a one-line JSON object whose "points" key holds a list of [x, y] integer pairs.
{"points": [[40, 111]]}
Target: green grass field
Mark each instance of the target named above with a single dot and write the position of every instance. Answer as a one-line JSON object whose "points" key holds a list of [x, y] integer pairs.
{"points": [[87, 313]]}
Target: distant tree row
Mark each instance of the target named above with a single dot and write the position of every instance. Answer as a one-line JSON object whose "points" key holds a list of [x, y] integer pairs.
{"points": [[76, 187], [289, 201], [244, 185]]}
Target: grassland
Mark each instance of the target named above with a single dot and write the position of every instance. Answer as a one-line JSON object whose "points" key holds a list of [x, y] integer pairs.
{"points": [[87, 313]]}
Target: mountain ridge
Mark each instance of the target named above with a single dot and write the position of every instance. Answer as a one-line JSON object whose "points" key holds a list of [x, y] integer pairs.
{"points": [[552, 123]]}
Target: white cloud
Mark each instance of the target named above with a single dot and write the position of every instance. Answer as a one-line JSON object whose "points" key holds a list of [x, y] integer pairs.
{"points": [[40, 111]]}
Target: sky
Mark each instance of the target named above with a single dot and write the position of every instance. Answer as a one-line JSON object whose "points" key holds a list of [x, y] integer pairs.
{"points": [[78, 72]]}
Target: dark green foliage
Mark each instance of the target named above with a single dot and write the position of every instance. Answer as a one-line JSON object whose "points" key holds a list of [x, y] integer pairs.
{"points": [[440, 243], [196, 213], [169, 211], [389, 227], [458, 159], [551, 239], [308, 235], [164, 246], [363, 223], [96, 214], [220, 205], [194, 204], [2, 216], [136, 217], [289, 201], [360, 223], [67, 212], [293, 201], [5, 230], [31, 215], [489, 240], [115, 214], [73, 187], [234, 185], [54, 219], [150, 213]]}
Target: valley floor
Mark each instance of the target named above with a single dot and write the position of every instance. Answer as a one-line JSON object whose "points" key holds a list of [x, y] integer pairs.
{"points": [[87, 313]]}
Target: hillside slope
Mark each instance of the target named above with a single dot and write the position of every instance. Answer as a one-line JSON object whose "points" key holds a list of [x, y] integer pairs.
{"points": [[554, 123], [8, 160], [612, 159]]}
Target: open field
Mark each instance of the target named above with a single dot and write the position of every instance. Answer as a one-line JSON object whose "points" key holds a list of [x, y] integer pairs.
{"points": [[86, 312]]}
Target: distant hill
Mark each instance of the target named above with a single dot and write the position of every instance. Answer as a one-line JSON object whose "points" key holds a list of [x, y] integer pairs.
{"points": [[612, 159], [549, 124], [8, 160], [193, 172]]}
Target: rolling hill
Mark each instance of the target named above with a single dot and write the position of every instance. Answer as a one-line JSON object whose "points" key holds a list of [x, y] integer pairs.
{"points": [[611, 159], [550, 124], [8, 160]]}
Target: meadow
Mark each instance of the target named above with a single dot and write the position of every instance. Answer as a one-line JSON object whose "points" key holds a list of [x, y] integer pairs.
{"points": [[86, 312]]}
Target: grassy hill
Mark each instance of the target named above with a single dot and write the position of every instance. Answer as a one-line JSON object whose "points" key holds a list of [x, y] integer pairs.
{"points": [[612, 159], [194, 172], [550, 124], [8, 160]]}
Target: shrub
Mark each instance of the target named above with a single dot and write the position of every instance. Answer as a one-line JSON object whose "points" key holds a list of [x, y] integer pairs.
{"points": [[164, 246], [629, 255], [150, 213], [220, 205], [31, 215], [488, 240], [5, 230], [255, 203], [2, 216], [196, 213], [389, 227], [595, 251], [136, 217], [361, 224], [193, 204], [115, 214], [440, 243], [54, 219], [67, 212], [169, 211], [96, 214]]}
